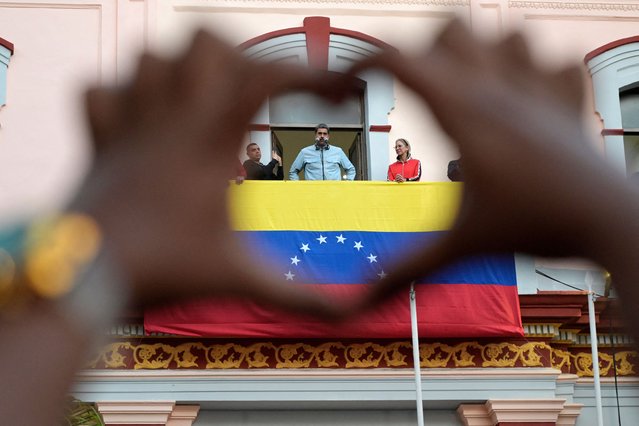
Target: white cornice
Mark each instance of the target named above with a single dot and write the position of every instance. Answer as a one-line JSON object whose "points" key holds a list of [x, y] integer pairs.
{"points": [[568, 5], [439, 3], [266, 389]]}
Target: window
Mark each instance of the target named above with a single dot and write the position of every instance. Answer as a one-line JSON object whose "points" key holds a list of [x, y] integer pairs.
{"points": [[615, 77], [359, 125], [6, 50], [629, 102]]}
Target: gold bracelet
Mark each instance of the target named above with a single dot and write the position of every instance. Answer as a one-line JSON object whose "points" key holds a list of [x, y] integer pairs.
{"points": [[50, 256], [65, 261]]}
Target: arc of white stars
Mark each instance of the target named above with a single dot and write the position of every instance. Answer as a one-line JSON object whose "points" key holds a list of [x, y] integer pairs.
{"points": [[358, 245], [289, 276], [340, 239], [305, 248], [295, 260], [382, 275], [321, 239], [372, 258]]}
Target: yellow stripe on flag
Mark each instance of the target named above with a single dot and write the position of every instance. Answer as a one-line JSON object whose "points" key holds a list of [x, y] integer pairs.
{"points": [[342, 206]]}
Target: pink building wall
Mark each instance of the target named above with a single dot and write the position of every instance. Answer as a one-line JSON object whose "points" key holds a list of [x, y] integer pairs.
{"points": [[61, 46]]}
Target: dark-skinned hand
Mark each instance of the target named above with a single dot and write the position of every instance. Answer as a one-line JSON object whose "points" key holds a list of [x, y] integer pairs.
{"points": [[166, 147], [533, 181]]}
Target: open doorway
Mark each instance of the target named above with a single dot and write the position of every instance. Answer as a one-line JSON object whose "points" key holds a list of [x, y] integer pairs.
{"points": [[294, 115], [288, 142]]}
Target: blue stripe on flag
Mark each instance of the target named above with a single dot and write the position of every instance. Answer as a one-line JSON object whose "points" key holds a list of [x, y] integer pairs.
{"points": [[359, 257]]}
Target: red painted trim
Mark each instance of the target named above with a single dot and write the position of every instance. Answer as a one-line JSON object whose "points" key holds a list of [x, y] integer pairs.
{"points": [[259, 127], [318, 33], [612, 132], [606, 47], [385, 128], [7, 44], [573, 312], [273, 34], [363, 37], [305, 29]]}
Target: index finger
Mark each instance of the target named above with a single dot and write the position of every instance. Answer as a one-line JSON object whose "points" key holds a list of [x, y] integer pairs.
{"points": [[419, 265]]}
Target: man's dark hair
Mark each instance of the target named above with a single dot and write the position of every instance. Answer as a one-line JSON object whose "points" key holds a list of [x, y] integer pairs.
{"points": [[249, 145], [322, 126]]}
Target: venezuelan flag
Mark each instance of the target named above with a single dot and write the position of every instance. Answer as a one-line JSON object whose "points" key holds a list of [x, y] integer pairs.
{"points": [[340, 237]]}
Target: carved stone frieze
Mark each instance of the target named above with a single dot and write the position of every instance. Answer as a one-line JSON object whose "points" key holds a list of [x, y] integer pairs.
{"points": [[201, 355], [445, 3], [572, 5]]}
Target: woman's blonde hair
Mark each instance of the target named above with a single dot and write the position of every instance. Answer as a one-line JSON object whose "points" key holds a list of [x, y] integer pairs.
{"points": [[405, 142]]}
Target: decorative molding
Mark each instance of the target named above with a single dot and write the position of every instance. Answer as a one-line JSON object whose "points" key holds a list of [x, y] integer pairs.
{"points": [[257, 355], [518, 411], [259, 127], [603, 340], [543, 330], [382, 128], [183, 415], [623, 361], [127, 330], [135, 412], [7, 44], [441, 355], [565, 5], [474, 415], [567, 336], [6, 50], [444, 3], [612, 132], [317, 31], [609, 46], [268, 355], [568, 416]]}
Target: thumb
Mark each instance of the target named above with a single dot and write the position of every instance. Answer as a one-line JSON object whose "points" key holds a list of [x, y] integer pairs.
{"points": [[447, 249]]}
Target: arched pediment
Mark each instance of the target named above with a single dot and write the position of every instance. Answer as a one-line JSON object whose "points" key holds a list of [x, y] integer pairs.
{"points": [[315, 44], [318, 45]]}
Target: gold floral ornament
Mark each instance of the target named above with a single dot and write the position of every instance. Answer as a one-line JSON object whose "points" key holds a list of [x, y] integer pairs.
{"points": [[438, 355], [559, 359], [364, 355], [507, 354], [584, 365], [57, 250]]}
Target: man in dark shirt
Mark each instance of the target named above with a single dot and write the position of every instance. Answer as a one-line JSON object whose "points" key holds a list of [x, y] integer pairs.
{"points": [[255, 170], [455, 171]]}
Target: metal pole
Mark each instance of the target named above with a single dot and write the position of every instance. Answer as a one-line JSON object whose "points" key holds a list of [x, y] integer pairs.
{"points": [[418, 374], [595, 355]]}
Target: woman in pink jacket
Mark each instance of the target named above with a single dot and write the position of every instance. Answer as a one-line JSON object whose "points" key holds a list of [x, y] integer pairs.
{"points": [[405, 169]]}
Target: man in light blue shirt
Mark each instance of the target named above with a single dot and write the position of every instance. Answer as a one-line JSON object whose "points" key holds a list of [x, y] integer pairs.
{"points": [[321, 161]]}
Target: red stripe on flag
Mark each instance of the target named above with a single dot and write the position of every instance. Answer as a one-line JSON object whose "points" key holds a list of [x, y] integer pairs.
{"points": [[444, 310]]}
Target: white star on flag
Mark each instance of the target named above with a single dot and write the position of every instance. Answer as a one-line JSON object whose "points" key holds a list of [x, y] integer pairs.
{"points": [[289, 276], [321, 239], [372, 258], [340, 239], [358, 245], [382, 275], [304, 248], [295, 260]]}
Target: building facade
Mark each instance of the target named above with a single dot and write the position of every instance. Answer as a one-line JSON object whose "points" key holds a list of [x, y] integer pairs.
{"points": [[50, 51]]}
